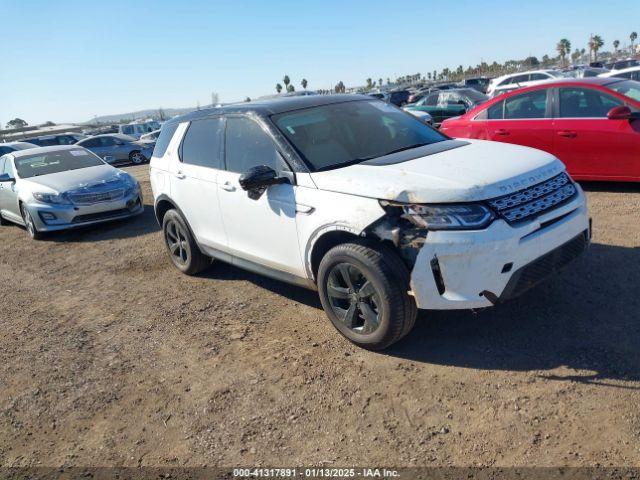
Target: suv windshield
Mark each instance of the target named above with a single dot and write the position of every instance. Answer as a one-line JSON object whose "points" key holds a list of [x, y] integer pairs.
{"points": [[54, 162], [337, 135], [628, 88]]}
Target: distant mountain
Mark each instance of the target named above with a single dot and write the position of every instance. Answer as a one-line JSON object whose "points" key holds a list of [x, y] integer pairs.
{"points": [[141, 114]]}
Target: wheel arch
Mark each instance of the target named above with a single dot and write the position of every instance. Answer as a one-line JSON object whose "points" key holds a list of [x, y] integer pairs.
{"points": [[323, 240]]}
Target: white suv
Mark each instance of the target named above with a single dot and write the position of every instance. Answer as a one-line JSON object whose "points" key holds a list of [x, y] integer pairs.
{"points": [[379, 212], [513, 81]]}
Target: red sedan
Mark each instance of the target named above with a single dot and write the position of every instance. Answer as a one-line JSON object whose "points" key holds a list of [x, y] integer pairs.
{"points": [[592, 125]]}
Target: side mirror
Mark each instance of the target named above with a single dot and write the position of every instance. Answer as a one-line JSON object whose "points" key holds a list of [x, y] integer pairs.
{"points": [[622, 113], [5, 177], [256, 180]]}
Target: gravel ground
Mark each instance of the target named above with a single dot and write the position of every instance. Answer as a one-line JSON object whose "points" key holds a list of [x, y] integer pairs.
{"points": [[111, 357]]}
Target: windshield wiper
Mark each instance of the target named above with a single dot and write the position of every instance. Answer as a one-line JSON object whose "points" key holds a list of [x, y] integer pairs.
{"points": [[402, 149]]}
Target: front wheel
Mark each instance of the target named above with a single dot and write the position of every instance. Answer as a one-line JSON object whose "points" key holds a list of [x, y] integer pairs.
{"points": [[137, 158], [181, 246], [29, 224], [364, 292]]}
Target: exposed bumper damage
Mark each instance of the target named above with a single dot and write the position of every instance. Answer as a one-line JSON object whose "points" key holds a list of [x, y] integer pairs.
{"points": [[462, 269]]}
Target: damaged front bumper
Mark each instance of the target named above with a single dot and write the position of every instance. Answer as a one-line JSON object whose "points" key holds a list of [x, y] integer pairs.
{"points": [[477, 268]]}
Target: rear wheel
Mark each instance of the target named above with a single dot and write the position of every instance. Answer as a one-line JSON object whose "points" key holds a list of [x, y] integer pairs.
{"points": [[29, 224], [137, 158], [364, 291], [181, 246]]}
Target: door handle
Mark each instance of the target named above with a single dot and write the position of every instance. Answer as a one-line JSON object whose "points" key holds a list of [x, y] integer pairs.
{"points": [[502, 132], [228, 187], [567, 133], [180, 175]]}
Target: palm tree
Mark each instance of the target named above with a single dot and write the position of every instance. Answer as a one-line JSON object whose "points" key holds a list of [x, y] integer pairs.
{"points": [[304, 83], [379, 82], [595, 43], [563, 47], [616, 44], [633, 38], [278, 87], [369, 83], [286, 80], [291, 88]]}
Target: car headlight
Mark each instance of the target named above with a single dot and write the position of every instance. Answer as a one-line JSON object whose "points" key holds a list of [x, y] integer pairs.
{"points": [[130, 183], [51, 198], [463, 216]]}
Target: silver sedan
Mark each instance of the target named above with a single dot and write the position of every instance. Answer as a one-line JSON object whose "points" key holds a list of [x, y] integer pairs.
{"points": [[57, 188], [117, 148]]}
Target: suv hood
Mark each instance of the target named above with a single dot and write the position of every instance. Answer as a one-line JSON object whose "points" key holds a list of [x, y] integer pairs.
{"points": [[469, 171]]}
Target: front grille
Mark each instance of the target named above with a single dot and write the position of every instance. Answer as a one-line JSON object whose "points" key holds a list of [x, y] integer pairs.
{"points": [[96, 197], [91, 217], [530, 275], [530, 202]]}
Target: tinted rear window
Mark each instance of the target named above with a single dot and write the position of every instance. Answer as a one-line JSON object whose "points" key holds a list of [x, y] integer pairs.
{"points": [[166, 134], [55, 162]]}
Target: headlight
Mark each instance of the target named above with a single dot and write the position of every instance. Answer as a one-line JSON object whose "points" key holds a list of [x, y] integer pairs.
{"points": [[469, 216], [131, 184], [52, 198]]}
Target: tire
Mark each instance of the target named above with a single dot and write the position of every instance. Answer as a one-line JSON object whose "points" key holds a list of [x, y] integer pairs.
{"points": [[182, 248], [32, 231], [357, 280], [137, 158]]}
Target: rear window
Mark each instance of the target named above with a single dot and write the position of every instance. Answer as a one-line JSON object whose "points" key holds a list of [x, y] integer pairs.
{"points": [[166, 134], [55, 162]]}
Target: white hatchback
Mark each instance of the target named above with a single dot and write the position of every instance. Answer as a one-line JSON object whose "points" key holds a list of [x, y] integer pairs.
{"points": [[379, 212]]}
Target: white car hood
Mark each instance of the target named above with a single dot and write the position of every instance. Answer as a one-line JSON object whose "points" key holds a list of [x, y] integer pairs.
{"points": [[477, 171], [74, 179]]}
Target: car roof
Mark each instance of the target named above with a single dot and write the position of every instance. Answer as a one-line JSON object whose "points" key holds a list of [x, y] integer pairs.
{"points": [[20, 142], [271, 106], [613, 73], [552, 82], [117, 135], [36, 150]]}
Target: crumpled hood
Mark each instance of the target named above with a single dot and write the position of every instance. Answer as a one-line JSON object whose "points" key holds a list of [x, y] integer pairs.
{"points": [[75, 179], [477, 171]]}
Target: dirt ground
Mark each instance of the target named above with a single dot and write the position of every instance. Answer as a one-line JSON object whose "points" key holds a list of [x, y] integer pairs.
{"points": [[109, 356]]}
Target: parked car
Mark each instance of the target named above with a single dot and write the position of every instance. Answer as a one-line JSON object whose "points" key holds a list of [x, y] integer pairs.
{"points": [[118, 148], [150, 137], [136, 130], [422, 116], [399, 97], [448, 103], [622, 64], [59, 139], [479, 83], [47, 189], [14, 146], [585, 72], [377, 211], [510, 82], [632, 73], [590, 124]]}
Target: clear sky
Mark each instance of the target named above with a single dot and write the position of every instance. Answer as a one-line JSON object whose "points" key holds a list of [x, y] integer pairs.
{"points": [[70, 60]]}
